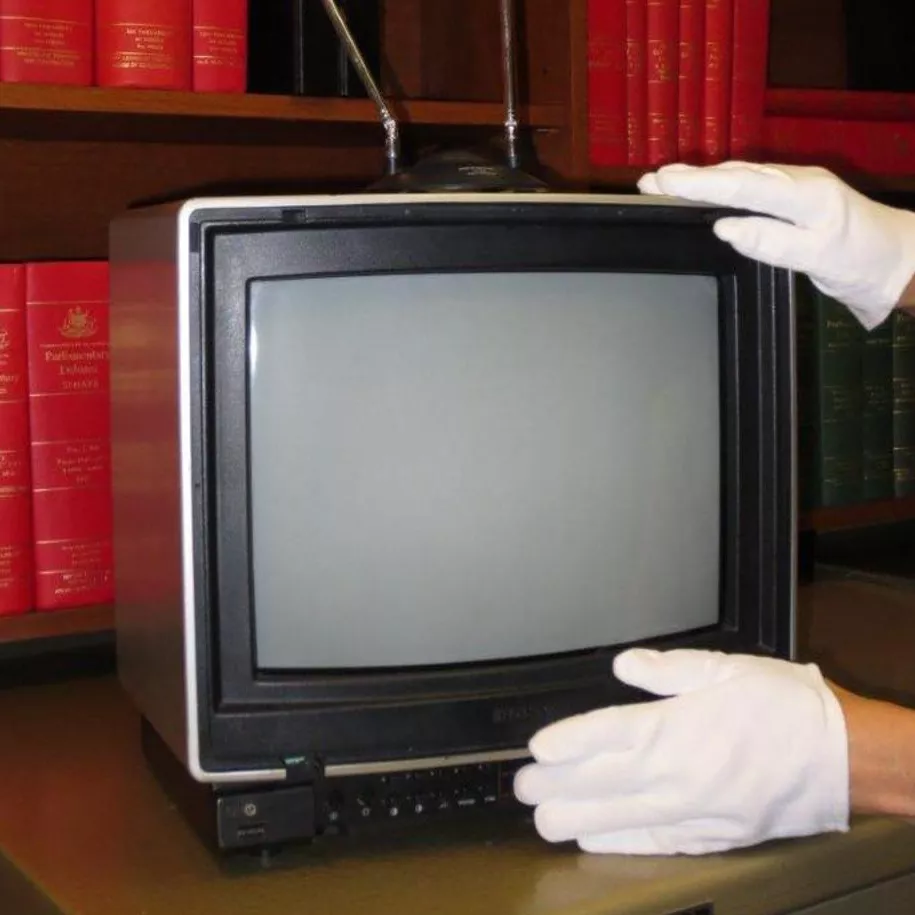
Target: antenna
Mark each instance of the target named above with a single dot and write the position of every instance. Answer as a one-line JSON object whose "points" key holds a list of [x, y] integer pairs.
{"points": [[388, 121], [449, 170], [507, 16]]}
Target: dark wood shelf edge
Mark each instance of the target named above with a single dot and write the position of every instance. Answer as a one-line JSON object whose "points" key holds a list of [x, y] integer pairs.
{"points": [[75, 623], [616, 177], [863, 514], [75, 100]]}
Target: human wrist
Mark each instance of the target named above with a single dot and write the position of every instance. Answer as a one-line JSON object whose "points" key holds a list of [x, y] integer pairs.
{"points": [[881, 754]]}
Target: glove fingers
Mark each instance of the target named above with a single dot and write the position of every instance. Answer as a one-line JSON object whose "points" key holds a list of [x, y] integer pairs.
{"points": [[648, 184], [677, 839], [670, 673], [763, 188], [604, 775], [768, 240], [561, 821], [629, 842], [605, 730]]}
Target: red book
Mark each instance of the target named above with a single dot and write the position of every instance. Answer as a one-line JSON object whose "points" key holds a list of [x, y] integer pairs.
{"points": [[220, 45], [844, 104], [690, 86], [46, 41], [719, 19], [663, 31], [607, 134], [748, 77], [69, 412], [637, 81], [143, 44], [870, 147], [15, 475]]}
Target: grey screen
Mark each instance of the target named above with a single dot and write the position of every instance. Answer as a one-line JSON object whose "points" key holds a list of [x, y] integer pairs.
{"points": [[469, 466]]}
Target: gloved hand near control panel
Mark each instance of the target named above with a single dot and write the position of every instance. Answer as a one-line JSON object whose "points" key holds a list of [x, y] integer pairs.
{"points": [[741, 750]]}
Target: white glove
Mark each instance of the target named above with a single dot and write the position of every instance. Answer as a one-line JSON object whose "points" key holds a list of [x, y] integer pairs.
{"points": [[855, 250], [750, 749]]}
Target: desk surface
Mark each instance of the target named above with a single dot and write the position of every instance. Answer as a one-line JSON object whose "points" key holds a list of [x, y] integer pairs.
{"points": [[82, 819]]}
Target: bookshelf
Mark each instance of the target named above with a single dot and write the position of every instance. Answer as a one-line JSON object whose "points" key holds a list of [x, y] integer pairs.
{"points": [[75, 624], [200, 108], [864, 514], [71, 157]]}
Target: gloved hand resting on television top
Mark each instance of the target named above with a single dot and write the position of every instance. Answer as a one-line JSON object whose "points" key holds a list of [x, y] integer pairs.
{"points": [[742, 750], [854, 249]]}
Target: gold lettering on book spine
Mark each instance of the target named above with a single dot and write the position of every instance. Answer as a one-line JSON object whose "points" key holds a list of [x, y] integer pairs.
{"points": [[148, 46], [42, 41], [224, 46], [661, 69]]}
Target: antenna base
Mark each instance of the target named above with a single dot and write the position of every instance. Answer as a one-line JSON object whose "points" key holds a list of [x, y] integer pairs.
{"points": [[459, 171]]}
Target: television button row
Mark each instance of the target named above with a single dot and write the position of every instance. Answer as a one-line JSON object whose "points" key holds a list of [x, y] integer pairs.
{"points": [[391, 806]]}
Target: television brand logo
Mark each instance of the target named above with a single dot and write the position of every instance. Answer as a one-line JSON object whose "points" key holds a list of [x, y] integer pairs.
{"points": [[523, 712]]}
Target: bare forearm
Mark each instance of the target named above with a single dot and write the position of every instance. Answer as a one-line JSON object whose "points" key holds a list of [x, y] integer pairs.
{"points": [[881, 750]]}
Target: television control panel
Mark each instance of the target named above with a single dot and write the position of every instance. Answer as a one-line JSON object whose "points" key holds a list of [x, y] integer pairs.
{"points": [[340, 806], [347, 804]]}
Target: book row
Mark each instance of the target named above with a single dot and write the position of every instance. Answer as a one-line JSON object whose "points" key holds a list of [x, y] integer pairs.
{"points": [[269, 46], [685, 81], [856, 404], [150, 44], [675, 80], [55, 466]]}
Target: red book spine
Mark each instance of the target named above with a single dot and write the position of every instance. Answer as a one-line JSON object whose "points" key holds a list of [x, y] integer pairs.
{"points": [[690, 80], [663, 27], [750, 66], [719, 18], [15, 474], [220, 45], [67, 321], [46, 41], [870, 147], [143, 44], [637, 81], [845, 104], [607, 134]]}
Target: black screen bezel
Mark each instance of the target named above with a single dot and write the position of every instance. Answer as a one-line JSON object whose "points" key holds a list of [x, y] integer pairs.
{"points": [[353, 716]]}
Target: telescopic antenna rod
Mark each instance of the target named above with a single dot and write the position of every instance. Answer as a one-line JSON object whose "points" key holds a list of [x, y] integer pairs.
{"points": [[388, 121], [507, 14]]}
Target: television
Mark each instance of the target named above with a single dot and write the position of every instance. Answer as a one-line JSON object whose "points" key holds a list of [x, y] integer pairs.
{"points": [[397, 475]]}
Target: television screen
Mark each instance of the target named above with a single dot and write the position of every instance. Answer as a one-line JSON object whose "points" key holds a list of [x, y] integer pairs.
{"points": [[462, 467]]}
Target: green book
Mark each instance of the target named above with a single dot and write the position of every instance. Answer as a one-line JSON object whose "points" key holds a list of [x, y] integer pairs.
{"points": [[877, 378], [903, 333], [830, 363]]}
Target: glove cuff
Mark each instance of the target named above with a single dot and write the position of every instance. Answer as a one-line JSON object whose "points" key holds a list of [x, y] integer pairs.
{"points": [[901, 275], [832, 777]]}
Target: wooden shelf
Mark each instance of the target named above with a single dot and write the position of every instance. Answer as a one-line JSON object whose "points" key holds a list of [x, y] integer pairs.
{"points": [[35, 99], [616, 177], [80, 621], [862, 515]]}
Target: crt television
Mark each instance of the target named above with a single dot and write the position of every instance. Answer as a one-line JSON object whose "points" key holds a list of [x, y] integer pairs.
{"points": [[397, 475]]}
